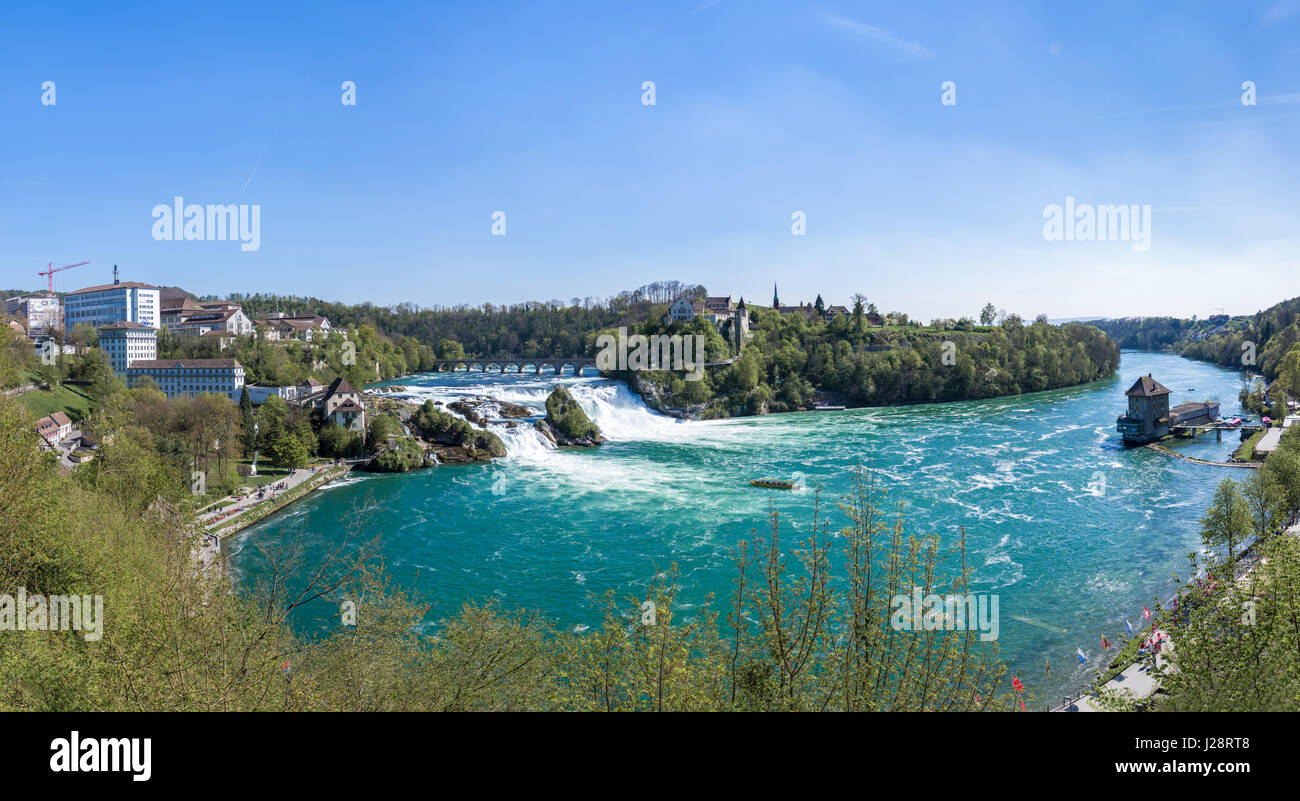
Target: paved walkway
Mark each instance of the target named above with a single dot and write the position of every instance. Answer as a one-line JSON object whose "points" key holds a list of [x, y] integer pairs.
{"points": [[232, 505], [1135, 680]]}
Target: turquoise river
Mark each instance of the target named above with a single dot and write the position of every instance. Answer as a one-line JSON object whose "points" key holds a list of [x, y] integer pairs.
{"points": [[1073, 531]]}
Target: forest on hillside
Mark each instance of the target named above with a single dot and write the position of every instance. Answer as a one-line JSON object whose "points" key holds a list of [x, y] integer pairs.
{"points": [[789, 361], [1260, 341], [530, 329]]}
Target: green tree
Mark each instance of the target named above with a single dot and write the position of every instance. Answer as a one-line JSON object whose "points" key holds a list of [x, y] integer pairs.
{"points": [[1280, 409], [1266, 501], [288, 451], [271, 419], [1288, 373], [1227, 522], [248, 422]]}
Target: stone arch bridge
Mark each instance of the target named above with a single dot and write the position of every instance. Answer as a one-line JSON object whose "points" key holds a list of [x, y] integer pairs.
{"points": [[509, 364]]}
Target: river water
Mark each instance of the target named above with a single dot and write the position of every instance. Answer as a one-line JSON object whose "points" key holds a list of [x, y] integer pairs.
{"points": [[1073, 531]]}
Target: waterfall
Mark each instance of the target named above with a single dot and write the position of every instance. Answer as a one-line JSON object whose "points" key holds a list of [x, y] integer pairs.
{"points": [[620, 414]]}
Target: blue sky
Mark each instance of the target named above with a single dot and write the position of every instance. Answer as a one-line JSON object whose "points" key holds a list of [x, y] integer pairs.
{"points": [[762, 109]]}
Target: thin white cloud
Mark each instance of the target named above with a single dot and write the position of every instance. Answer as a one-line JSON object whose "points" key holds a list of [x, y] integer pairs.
{"points": [[910, 51], [702, 6], [1280, 100], [1283, 10]]}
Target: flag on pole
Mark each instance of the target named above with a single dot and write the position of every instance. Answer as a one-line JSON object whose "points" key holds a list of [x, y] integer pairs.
{"points": [[1015, 682], [1146, 613], [1128, 627], [1079, 653], [1105, 643]]}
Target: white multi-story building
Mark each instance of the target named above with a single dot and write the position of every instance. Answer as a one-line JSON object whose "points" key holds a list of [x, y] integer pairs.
{"points": [[185, 377], [306, 327], [120, 301], [125, 343], [39, 314]]}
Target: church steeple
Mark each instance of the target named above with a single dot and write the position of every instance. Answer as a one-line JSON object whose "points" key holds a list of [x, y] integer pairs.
{"points": [[776, 302]]}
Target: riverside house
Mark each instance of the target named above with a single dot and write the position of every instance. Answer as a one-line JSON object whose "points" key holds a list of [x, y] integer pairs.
{"points": [[339, 403], [1147, 418]]}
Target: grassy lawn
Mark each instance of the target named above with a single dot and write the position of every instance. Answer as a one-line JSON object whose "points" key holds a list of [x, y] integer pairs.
{"points": [[265, 471], [1126, 656], [1247, 450], [71, 400]]}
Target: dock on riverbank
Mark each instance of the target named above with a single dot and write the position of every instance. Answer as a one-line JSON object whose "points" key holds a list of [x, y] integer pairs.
{"points": [[1168, 452]]}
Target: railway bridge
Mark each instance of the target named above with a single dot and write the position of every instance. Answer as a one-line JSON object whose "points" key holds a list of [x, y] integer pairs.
{"points": [[515, 364]]}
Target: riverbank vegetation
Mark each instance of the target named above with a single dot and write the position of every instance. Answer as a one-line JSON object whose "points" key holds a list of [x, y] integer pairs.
{"points": [[1266, 341], [460, 441], [804, 635], [1235, 625], [789, 362]]}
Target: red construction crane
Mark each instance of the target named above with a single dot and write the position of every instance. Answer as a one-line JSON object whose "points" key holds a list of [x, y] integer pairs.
{"points": [[51, 270]]}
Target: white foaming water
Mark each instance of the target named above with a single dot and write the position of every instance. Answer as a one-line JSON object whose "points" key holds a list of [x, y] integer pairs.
{"points": [[620, 414], [533, 464]]}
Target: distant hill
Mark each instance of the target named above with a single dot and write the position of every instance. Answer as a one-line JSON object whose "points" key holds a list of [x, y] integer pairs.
{"points": [[1220, 339], [1084, 320]]}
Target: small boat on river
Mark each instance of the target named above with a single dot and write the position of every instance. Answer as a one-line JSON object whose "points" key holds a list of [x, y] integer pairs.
{"points": [[773, 483]]}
